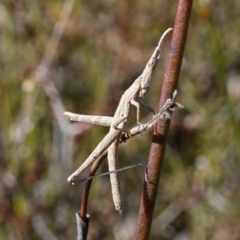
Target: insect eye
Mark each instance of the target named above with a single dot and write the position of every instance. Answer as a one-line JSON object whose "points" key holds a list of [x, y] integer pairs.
{"points": [[144, 91]]}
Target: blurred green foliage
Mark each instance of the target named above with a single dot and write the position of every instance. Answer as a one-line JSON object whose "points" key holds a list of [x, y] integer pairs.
{"points": [[104, 47]]}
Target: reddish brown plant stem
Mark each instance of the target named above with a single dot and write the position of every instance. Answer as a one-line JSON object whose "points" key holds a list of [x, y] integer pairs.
{"points": [[157, 150], [84, 202]]}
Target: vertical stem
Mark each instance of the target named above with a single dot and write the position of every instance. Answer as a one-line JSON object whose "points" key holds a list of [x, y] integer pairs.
{"points": [[157, 150], [86, 191]]}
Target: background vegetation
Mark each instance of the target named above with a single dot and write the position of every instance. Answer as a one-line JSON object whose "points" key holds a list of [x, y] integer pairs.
{"points": [[92, 51]]}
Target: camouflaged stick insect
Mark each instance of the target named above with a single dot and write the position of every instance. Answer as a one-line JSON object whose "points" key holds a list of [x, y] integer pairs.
{"points": [[139, 88]]}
